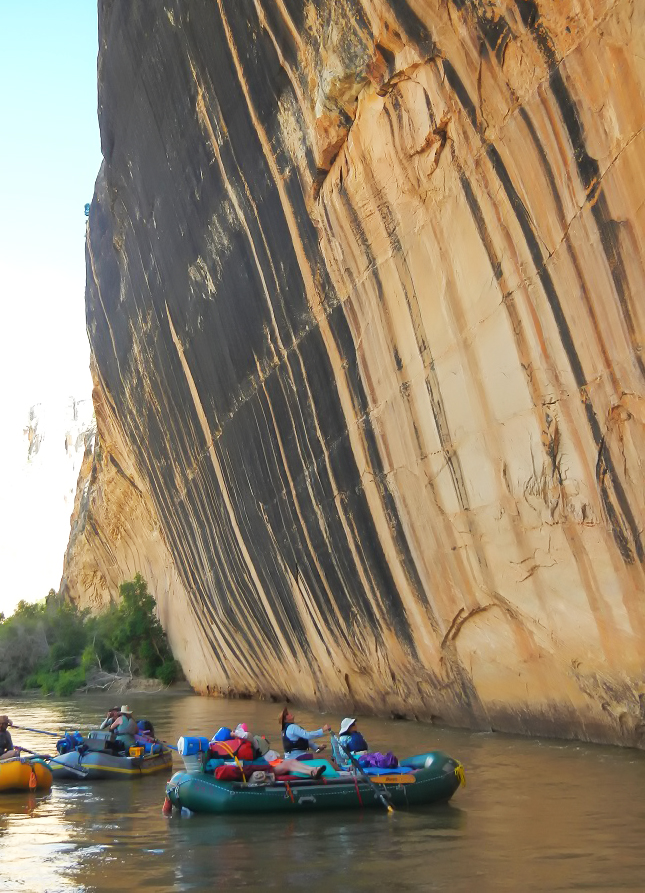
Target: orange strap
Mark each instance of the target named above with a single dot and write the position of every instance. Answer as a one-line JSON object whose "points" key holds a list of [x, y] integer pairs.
{"points": [[289, 791]]}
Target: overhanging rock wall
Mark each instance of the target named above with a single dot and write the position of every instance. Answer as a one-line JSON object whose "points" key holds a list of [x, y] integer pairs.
{"points": [[365, 302]]}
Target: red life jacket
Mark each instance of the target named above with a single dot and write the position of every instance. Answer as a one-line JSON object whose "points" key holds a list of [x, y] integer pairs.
{"points": [[243, 750], [225, 748]]}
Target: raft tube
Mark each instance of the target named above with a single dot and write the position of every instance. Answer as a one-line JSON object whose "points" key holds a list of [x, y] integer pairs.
{"points": [[202, 793], [94, 758], [24, 775]]}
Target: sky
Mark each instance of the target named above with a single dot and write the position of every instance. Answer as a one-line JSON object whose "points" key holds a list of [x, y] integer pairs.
{"points": [[49, 160]]}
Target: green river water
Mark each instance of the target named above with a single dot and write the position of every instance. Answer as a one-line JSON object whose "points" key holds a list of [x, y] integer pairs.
{"points": [[536, 815]]}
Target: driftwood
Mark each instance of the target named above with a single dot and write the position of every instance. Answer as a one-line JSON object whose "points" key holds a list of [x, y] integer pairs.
{"points": [[117, 682]]}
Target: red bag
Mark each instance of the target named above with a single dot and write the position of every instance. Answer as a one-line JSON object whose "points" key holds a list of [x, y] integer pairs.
{"points": [[228, 773], [245, 751]]}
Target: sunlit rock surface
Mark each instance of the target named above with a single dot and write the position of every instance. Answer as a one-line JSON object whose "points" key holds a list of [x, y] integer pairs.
{"points": [[365, 304]]}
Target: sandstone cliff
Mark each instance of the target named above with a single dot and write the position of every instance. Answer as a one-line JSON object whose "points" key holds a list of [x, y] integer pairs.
{"points": [[365, 306]]}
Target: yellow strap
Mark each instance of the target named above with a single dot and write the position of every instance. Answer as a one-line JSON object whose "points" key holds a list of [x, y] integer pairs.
{"points": [[239, 765]]}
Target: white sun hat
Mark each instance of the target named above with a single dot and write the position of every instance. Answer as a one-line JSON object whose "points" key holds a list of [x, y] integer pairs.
{"points": [[347, 723]]}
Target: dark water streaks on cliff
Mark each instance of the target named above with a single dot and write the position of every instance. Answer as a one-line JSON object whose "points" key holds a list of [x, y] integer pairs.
{"points": [[617, 521], [590, 177]]}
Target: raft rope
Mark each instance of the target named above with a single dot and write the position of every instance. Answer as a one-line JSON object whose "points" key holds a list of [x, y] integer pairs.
{"points": [[289, 791], [172, 789], [461, 774]]}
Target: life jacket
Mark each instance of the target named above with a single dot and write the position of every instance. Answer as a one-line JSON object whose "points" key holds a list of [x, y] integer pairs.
{"points": [[246, 751], [289, 745], [225, 748], [243, 750], [354, 742], [70, 741], [146, 728]]}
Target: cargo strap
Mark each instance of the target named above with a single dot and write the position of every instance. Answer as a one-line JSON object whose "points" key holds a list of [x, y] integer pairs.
{"points": [[239, 765], [358, 793]]}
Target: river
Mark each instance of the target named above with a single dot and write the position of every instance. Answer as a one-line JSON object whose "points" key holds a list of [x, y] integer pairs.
{"points": [[536, 815]]}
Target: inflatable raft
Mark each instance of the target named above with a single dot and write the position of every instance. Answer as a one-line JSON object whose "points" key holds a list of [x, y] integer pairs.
{"points": [[24, 775], [94, 757], [427, 778]]}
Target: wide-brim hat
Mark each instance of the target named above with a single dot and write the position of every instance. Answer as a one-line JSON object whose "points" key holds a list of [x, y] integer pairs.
{"points": [[4, 720], [346, 724], [125, 709]]}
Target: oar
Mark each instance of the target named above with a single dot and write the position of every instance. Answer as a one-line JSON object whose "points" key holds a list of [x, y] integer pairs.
{"points": [[62, 735], [82, 772], [166, 744], [380, 794], [39, 731]]}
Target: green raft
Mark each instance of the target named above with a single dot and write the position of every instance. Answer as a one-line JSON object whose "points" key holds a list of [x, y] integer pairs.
{"points": [[428, 778]]}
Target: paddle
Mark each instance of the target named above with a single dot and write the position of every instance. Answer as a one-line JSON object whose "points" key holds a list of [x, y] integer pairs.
{"points": [[165, 744], [38, 731], [47, 759], [62, 735], [380, 794]]}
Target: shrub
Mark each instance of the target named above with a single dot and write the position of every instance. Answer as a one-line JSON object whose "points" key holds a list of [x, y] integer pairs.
{"points": [[54, 646], [139, 633], [169, 672]]}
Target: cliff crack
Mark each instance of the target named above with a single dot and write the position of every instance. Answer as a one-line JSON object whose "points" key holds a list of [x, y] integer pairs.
{"points": [[460, 619], [592, 195]]}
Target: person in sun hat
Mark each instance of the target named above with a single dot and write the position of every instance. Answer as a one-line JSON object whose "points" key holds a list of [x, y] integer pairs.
{"points": [[124, 727], [350, 737]]}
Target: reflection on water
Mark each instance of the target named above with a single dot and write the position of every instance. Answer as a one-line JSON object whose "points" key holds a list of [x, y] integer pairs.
{"points": [[535, 816]]}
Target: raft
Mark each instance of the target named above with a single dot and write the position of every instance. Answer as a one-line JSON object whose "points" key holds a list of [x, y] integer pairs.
{"points": [[93, 759], [24, 775], [424, 779]]}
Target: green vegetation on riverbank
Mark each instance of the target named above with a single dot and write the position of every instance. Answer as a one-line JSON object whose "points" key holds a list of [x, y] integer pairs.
{"points": [[54, 647]]}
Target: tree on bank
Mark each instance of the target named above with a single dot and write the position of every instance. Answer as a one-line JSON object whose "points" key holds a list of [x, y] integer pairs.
{"points": [[55, 647]]}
